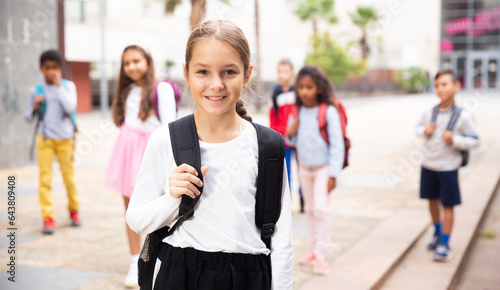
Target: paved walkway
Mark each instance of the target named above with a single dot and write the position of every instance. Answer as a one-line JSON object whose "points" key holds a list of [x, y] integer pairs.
{"points": [[382, 178]]}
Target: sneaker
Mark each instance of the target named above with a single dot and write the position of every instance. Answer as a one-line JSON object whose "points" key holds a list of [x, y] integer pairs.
{"points": [[443, 253], [434, 242], [48, 225], [321, 267], [307, 258], [75, 219], [132, 279]]}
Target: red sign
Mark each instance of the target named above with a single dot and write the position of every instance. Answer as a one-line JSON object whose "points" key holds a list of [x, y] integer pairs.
{"points": [[483, 22]]}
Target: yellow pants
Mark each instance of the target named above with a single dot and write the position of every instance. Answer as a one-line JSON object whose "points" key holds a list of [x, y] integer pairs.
{"points": [[46, 150]]}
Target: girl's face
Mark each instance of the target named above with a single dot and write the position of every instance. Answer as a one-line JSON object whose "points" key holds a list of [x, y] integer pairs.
{"points": [[308, 91], [135, 65], [216, 77]]}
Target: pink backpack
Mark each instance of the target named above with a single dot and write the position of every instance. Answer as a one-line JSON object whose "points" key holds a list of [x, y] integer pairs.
{"points": [[323, 125]]}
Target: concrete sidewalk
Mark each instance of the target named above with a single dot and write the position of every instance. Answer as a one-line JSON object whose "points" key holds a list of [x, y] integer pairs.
{"points": [[382, 180]]}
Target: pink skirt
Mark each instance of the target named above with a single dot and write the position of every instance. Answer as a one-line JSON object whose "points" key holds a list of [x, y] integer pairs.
{"points": [[126, 159]]}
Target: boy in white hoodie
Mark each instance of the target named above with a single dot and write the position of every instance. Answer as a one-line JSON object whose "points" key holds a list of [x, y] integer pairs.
{"points": [[442, 157]]}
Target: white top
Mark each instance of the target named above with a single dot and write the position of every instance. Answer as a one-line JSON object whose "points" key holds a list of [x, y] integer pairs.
{"points": [[436, 154], [166, 108], [224, 217]]}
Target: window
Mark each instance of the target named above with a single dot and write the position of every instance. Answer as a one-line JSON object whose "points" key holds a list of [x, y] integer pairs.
{"points": [[75, 11]]}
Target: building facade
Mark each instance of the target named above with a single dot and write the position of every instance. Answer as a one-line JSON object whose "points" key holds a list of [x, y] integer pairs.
{"points": [[28, 28], [405, 38], [470, 42]]}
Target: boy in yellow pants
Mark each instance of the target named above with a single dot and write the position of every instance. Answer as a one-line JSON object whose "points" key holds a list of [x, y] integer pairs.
{"points": [[52, 102]]}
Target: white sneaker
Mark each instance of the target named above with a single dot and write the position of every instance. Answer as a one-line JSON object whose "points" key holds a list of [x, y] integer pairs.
{"points": [[131, 281], [443, 253]]}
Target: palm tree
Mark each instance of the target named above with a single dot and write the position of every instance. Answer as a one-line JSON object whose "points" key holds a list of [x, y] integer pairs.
{"points": [[198, 9], [364, 17], [316, 10]]}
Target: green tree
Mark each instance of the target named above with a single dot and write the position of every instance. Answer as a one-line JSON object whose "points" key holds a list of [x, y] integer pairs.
{"points": [[198, 9], [334, 59], [364, 17], [316, 10]]}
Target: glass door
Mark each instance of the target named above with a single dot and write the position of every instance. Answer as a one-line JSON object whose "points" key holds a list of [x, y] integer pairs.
{"points": [[493, 78], [482, 71]]}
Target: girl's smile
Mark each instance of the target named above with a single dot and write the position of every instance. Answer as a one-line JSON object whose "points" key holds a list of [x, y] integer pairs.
{"points": [[215, 98]]}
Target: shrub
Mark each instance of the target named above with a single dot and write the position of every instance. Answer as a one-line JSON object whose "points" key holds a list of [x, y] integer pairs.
{"points": [[412, 80], [334, 59]]}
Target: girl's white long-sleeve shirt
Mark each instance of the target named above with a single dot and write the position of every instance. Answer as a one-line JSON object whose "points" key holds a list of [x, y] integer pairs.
{"points": [[166, 108], [224, 217]]}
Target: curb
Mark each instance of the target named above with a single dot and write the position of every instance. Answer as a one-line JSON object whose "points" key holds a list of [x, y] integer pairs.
{"points": [[374, 263]]}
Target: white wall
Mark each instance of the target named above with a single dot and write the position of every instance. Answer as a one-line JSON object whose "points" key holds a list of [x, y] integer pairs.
{"points": [[409, 29]]}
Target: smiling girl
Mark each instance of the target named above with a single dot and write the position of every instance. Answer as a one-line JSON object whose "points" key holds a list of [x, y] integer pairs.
{"points": [[220, 247], [133, 112]]}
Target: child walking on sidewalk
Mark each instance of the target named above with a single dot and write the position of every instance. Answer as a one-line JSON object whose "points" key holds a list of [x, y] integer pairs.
{"points": [[134, 112], [442, 157], [53, 102], [220, 246], [321, 157]]}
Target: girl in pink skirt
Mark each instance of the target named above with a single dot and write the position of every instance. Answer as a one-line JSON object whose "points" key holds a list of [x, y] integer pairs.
{"points": [[136, 116]]}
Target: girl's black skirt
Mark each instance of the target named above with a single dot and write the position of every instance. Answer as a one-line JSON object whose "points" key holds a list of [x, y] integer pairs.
{"points": [[187, 268]]}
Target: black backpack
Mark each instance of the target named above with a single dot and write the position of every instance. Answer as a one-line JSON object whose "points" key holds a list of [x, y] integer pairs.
{"points": [[186, 149], [455, 113]]}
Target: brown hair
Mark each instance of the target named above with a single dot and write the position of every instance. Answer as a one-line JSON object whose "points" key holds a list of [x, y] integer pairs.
{"points": [[228, 33], [287, 62], [326, 95], [148, 83], [443, 72]]}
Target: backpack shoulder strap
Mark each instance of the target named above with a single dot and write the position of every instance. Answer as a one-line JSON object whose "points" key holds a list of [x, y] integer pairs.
{"points": [[454, 118], [39, 89], [186, 149], [435, 111], [175, 87], [269, 181], [342, 111], [323, 125], [40, 92]]}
